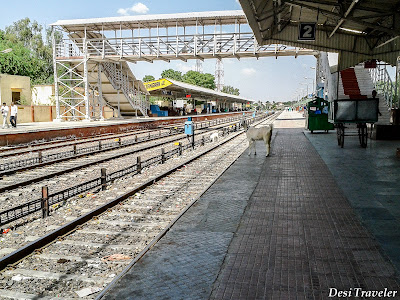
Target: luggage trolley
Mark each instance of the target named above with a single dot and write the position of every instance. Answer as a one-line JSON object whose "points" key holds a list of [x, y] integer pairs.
{"points": [[353, 111]]}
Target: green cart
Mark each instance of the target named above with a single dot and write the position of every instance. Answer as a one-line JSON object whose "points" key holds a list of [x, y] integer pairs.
{"points": [[317, 111]]}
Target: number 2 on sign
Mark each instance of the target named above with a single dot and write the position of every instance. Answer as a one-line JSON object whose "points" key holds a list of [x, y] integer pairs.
{"points": [[308, 31]]}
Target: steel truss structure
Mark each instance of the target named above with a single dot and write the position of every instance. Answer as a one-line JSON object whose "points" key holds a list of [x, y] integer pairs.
{"points": [[95, 55], [82, 82]]}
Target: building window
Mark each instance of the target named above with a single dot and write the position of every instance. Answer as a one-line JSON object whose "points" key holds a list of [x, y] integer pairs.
{"points": [[16, 98]]}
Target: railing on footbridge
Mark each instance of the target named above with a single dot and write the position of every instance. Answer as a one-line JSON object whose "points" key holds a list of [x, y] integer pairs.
{"points": [[183, 47]]}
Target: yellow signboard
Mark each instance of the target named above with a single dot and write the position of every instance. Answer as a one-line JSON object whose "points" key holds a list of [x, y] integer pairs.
{"points": [[157, 84]]}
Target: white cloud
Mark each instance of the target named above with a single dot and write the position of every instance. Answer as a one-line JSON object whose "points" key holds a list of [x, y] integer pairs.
{"points": [[123, 12], [248, 71], [184, 67], [137, 8]]}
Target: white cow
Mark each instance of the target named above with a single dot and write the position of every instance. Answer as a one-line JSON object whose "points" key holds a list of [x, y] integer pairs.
{"points": [[214, 137], [257, 134]]}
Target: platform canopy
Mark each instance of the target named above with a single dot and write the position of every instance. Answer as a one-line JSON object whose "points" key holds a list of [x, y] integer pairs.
{"points": [[154, 21], [181, 89], [357, 29]]}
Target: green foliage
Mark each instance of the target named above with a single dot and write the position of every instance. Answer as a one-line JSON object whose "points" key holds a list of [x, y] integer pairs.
{"points": [[172, 74], [31, 55], [196, 78], [205, 80], [230, 90], [289, 103], [29, 34], [20, 61], [148, 78]]}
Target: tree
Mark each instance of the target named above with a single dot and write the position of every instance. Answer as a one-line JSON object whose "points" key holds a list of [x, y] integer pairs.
{"points": [[205, 80], [148, 78], [230, 90], [172, 74], [32, 55], [29, 34], [20, 61]]}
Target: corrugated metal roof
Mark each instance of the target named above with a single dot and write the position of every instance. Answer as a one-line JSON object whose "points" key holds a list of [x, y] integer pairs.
{"points": [[207, 92], [152, 21], [358, 30]]}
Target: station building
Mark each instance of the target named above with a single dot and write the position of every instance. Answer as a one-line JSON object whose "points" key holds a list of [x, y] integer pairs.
{"points": [[14, 88], [181, 98]]}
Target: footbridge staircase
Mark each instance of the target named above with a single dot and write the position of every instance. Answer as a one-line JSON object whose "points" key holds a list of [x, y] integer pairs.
{"points": [[94, 84], [359, 82]]}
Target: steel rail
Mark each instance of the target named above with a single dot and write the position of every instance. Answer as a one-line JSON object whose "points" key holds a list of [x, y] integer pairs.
{"points": [[30, 207], [47, 176], [27, 145], [71, 142], [157, 238], [21, 253], [16, 213], [83, 140], [62, 156], [77, 139], [35, 162]]}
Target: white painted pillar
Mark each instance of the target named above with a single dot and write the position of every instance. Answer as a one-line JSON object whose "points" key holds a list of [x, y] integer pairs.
{"points": [[56, 90]]}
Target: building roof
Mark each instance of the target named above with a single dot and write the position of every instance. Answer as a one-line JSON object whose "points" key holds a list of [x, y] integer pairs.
{"points": [[357, 29], [153, 21], [201, 92]]}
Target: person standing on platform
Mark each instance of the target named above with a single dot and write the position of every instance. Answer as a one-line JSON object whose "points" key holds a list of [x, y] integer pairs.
{"points": [[4, 113], [374, 93], [13, 115]]}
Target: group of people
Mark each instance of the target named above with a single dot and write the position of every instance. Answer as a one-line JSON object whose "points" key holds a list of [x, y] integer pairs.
{"points": [[12, 111]]}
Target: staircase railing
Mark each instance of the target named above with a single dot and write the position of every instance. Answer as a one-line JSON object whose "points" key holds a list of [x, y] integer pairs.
{"points": [[384, 85], [120, 81]]}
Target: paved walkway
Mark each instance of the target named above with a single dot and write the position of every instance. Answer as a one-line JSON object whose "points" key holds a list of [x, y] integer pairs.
{"points": [[370, 179], [270, 228], [41, 126]]}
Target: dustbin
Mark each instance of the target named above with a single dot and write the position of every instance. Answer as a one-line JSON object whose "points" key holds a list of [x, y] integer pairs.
{"points": [[189, 126], [317, 111]]}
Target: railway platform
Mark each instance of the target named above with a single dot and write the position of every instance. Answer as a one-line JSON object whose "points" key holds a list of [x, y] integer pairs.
{"points": [[45, 131], [311, 221]]}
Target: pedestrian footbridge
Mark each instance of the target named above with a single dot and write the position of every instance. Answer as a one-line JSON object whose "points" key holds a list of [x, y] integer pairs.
{"points": [[95, 53]]}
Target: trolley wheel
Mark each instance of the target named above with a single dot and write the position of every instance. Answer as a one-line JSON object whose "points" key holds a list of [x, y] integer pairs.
{"points": [[312, 131], [363, 135], [340, 134]]}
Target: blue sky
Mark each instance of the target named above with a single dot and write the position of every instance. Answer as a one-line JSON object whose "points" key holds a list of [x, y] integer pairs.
{"points": [[264, 79]]}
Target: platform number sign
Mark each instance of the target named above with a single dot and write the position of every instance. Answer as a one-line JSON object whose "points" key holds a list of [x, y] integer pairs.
{"points": [[307, 31]]}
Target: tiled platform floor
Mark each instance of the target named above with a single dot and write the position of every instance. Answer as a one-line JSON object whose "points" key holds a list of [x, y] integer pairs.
{"points": [[299, 236], [292, 235]]}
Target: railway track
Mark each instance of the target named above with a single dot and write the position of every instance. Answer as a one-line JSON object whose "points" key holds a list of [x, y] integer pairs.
{"points": [[39, 144], [31, 148], [41, 156], [24, 201], [83, 256], [17, 150], [71, 163]]}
